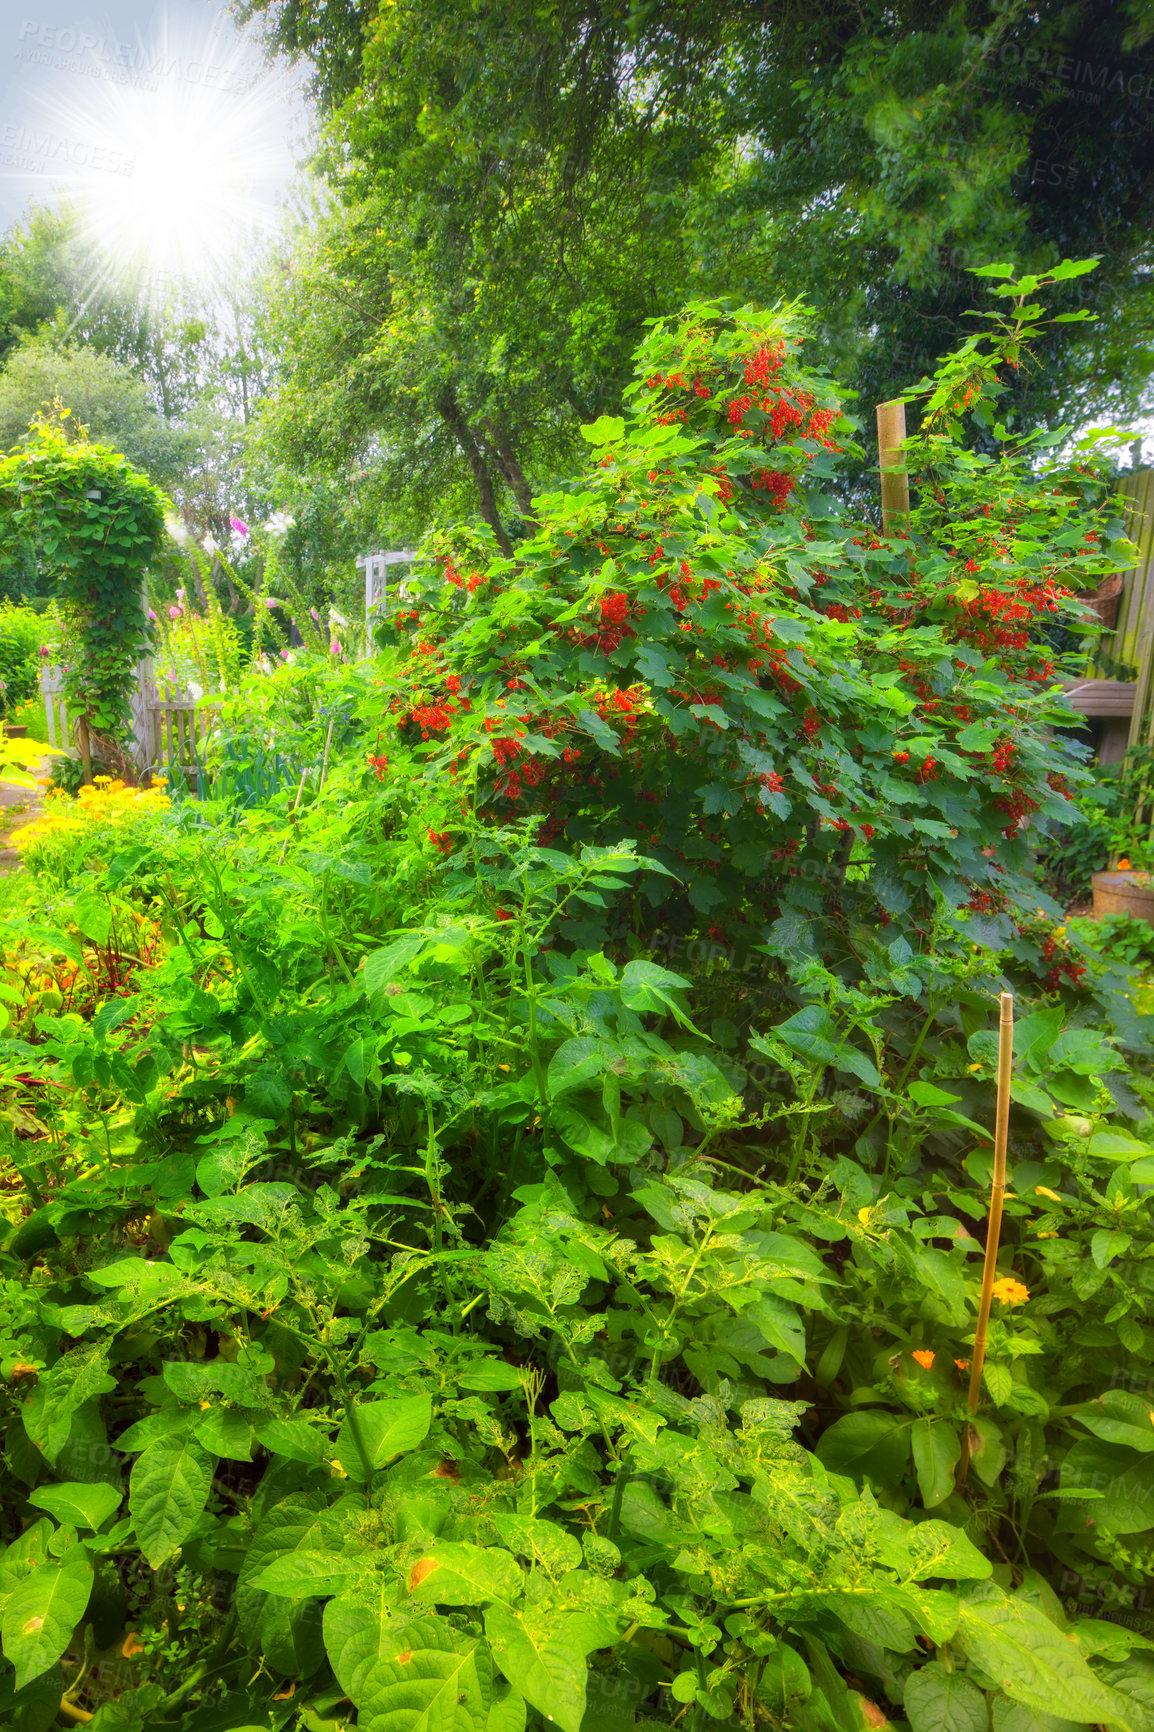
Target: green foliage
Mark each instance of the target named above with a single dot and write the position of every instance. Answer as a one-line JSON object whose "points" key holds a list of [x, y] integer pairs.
{"points": [[1110, 821], [111, 402], [515, 193], [95, 523], [444, 1288], [21, 637]]}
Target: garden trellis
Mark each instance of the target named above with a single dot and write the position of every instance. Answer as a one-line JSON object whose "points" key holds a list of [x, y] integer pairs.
{"points": [[1122, 707], [376, 568]]}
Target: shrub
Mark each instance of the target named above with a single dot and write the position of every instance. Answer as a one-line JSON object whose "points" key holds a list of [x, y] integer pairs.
{"points": [[835, 743], [21, 635]]}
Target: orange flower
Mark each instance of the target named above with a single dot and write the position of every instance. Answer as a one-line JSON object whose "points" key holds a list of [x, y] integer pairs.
{"points": [[962, 1364], [1123, 866], [1009, 1291], [924, 1356]]}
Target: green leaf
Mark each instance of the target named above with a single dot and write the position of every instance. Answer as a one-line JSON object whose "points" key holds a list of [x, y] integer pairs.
{"points": [[1121, 1477], [385, 1429], [543, 1658], [545, 1543], [939, 1699], [382, 967], [302, 1575], [43, 1611], [867, 1445], [78, 1505], [999, 1380], [489, 1375], [168, 1491], [936, 1451], [575, 1062], [226, 1433], [604, 431], [295, 1439], [1116, 1416], [1032, 1661], [427, 1677], [464, 1575], [1106, 1244], [811, 1032]]}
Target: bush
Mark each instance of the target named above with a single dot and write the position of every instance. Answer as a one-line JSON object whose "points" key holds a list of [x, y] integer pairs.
{"points": [[21, 635], [830, 741]]}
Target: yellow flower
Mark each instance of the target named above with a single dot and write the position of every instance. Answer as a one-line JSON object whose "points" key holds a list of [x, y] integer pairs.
{"points": [[1009, 1291], [924, 1356], [1044, 1191]]}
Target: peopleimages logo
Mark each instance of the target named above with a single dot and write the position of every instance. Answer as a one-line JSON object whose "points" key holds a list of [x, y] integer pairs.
{"points": [[1099, 77], [103, 57], [26, 147]]}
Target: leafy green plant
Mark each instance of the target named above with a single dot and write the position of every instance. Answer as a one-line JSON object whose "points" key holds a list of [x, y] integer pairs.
{"points": [[96, 523], [444, 1285]]}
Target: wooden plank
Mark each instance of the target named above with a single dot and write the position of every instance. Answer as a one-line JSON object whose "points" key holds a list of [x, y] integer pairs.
{"points": [[1101, 697], [891, 418]]}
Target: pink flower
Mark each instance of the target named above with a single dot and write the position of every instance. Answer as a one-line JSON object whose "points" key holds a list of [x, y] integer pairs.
{"points": [[315, 615], [174, 613], [180, 595], [270, 603], [235, 523], [335, 648], [151, 615]]}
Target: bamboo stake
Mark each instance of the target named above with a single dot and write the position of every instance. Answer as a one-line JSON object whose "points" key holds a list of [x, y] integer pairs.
{"points": [[895, 480], [994, 1225]]}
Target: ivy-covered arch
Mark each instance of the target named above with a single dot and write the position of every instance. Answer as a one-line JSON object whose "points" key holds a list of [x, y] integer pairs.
{"points": [[96, 522]]}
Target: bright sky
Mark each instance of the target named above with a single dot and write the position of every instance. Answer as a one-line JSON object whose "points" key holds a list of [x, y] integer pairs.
{"points": [[159, 117]]}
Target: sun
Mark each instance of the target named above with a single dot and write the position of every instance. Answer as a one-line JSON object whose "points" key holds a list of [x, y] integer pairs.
{"points": [[188, 162]]}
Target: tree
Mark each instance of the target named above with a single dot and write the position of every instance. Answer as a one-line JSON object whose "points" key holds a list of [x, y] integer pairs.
{"points": [[477, 289], [519, 189], [101, 395]]}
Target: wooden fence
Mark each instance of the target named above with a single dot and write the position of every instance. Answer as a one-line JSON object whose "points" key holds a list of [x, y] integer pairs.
{"points": [[170, 726]]}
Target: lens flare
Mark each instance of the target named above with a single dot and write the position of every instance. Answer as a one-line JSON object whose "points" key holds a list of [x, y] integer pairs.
{"points": [[179, 164]]}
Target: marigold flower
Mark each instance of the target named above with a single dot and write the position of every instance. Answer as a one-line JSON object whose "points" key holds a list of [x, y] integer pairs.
{"points": [[1009, 1291], [924, 1356]]}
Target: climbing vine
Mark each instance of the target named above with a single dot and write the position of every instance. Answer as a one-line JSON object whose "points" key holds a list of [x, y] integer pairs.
{"points": [[94, 523]]}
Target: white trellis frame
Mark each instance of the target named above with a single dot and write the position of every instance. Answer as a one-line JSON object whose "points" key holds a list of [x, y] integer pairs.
{"points": [[376, 569], [52, 691]]}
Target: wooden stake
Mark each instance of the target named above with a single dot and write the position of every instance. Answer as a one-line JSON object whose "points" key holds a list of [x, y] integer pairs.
{"points": [[994, 1226], [85, 750], [895, 480]]}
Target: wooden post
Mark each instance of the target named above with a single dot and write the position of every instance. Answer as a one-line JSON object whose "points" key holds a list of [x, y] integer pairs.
{"points": [[895, 480], [85, 749], [994, 1225]]}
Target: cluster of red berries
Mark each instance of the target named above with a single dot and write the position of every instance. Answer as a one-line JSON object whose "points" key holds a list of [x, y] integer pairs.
{"points": [[775, 482]]}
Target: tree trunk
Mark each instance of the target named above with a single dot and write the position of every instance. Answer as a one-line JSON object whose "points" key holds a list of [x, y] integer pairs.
{"points": [[510, 468], [454, 420]]}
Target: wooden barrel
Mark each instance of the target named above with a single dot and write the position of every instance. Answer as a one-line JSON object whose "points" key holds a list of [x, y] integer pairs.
{"points": [[1124, 893]]}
